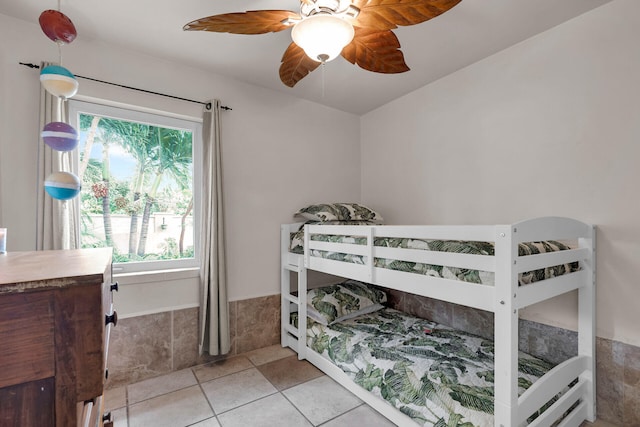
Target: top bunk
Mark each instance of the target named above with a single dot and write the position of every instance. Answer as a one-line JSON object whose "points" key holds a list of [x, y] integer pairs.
{"points": [[480, 266]]}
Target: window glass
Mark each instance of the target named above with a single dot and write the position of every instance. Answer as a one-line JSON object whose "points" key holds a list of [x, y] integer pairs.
{"points": [[137, 173]]}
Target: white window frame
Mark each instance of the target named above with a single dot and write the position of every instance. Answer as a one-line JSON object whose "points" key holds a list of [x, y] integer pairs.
{"points": [[160, 119]]}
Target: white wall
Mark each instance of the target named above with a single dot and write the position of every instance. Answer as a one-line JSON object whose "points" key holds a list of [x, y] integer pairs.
{"points": [[548, 127], [274, 161]]}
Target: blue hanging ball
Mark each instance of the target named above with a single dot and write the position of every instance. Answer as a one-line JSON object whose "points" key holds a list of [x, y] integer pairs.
{"points": [[60, 136], [62, 185], [58, 81]]}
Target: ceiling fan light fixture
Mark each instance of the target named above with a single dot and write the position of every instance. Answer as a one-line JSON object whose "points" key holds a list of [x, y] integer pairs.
{"points": [[322, 36]]}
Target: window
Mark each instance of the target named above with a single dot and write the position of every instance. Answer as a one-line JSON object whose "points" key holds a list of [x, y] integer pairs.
{"points": [[137, 173]]}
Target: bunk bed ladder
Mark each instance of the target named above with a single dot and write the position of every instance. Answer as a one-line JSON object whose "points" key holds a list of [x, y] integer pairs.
{"points": [[290, 335]]}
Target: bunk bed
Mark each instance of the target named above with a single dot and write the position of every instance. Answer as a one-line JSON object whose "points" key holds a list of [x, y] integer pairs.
{"points": [[566, 391]]}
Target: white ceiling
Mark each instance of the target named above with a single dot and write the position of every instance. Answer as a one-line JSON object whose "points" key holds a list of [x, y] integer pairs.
{"points": [[472, 30]]}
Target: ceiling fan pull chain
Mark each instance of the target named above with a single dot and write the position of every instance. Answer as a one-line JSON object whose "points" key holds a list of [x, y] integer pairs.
{"points": [[323, 79]]}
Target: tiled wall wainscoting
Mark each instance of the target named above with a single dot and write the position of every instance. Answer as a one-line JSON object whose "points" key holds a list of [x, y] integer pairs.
{"points": [[154, 344], [618, 364]]}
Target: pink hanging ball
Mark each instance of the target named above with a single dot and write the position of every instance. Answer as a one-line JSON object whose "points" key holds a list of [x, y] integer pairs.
{"points": [[57, 26], [60, 136]]}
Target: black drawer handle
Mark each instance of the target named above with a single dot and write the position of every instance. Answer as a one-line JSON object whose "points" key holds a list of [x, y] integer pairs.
{"points": [[114, 287], [106, 374], [106, 418], [111, 318]]}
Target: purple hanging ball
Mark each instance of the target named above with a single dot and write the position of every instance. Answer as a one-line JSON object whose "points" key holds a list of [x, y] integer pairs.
{"points": [[60, 136]]}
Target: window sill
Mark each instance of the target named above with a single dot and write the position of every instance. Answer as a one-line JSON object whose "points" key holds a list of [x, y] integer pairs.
{"points": [[138, 277]]}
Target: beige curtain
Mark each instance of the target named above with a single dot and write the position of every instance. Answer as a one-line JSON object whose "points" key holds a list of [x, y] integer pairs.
{"points": [[57, 220], [214, 307]]}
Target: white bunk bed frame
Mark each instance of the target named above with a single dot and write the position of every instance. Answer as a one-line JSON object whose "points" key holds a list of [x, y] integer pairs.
{"points": [[504, 299]]}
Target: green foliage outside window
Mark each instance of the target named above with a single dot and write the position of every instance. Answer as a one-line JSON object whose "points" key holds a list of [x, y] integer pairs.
{"points": [[137, 189]]}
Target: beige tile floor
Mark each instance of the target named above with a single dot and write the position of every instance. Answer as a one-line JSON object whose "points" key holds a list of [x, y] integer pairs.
{"points": [[265, 387]]}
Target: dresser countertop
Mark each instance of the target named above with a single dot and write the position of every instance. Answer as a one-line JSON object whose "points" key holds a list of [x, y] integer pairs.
{"points": [[33, 270]]}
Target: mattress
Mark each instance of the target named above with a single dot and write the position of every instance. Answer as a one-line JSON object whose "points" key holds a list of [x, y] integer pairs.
{"points": [[447, 272], [436, 375]]}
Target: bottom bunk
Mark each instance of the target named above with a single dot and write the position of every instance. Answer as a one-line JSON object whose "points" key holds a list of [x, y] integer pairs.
{"points": [[412, 370]]}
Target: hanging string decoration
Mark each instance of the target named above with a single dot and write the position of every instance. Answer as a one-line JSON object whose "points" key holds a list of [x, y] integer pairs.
{"points": [[61, 83]]}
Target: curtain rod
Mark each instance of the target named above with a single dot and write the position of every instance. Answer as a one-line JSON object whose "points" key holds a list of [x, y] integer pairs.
{"points": [[208, 104]]}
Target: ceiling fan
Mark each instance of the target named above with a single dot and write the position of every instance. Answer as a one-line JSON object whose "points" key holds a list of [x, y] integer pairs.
{"points": [[359, 30]]}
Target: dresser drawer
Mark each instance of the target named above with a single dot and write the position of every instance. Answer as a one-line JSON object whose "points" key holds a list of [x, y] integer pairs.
{"points": [[29, 404], [27, 352]]}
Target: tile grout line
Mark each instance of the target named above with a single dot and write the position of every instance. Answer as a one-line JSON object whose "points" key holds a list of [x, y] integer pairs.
{"points": [[248, 403], [297, 409], [126, 401], [288, 388], [199, 383], [173, 367], [339, 415], [215, 415], [256, 367], [223, 376]]}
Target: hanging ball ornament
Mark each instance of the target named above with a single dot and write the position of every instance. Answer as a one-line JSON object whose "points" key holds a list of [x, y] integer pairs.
{"points": [[57, 26], [58, 81], [62, 185], [60, 136]]}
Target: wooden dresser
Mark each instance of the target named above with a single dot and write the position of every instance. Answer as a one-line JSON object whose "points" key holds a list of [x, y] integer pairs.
{"points": [[55, 318]]}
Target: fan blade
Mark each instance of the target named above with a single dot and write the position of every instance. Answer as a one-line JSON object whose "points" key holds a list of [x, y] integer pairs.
{"points": [[389, 14], [377, 51], [295, 65], [252, 22]]}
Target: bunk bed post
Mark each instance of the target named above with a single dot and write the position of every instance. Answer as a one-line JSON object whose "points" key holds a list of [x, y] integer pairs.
{"points": [[587, 322], [302, 297], [506, 328], [302, 313]]}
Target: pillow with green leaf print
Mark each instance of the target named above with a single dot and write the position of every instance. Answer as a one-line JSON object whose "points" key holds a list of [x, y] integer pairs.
{"points": [[331, 304], [339, 212]]}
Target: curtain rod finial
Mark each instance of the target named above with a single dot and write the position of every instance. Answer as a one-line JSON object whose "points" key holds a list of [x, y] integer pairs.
{"points": [[29, 65]]}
